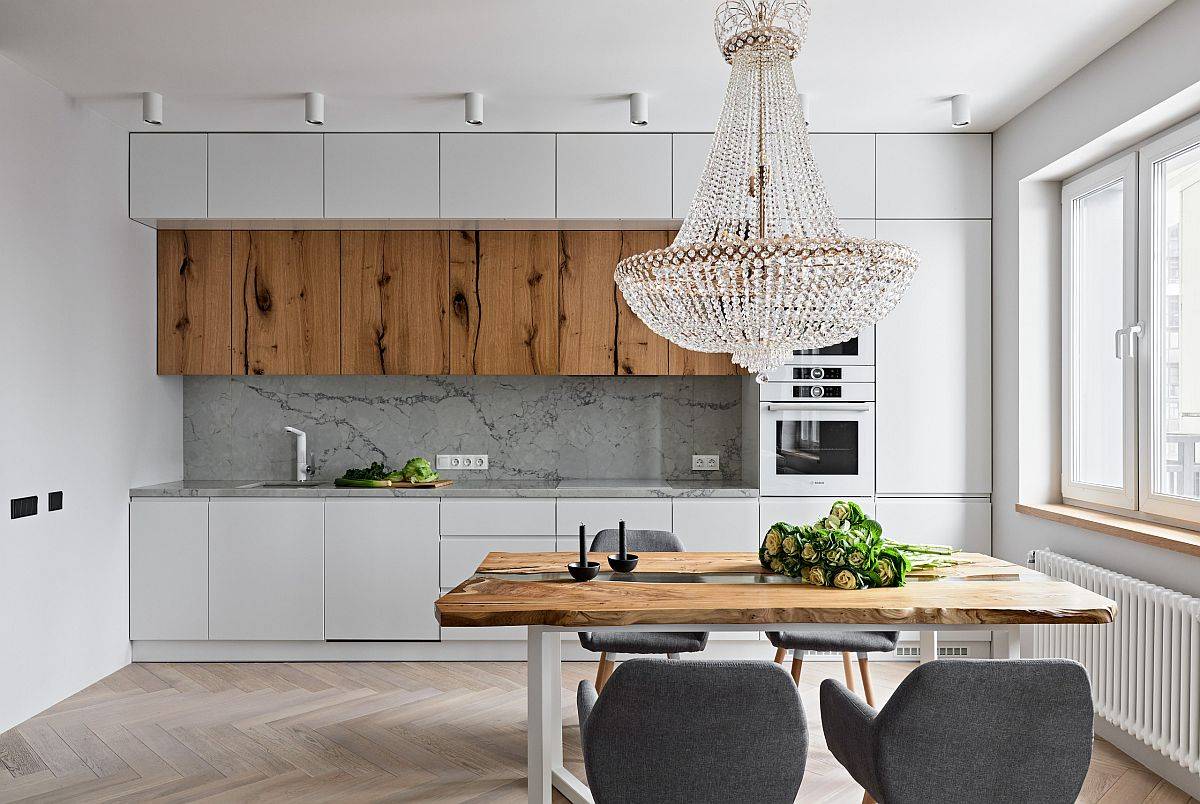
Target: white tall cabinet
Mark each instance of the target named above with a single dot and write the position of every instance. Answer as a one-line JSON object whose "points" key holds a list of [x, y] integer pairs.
{"points": [[933, 365]]}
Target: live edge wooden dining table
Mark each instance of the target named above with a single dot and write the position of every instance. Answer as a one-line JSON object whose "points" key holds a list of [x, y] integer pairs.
{"points": [[732, 592]]}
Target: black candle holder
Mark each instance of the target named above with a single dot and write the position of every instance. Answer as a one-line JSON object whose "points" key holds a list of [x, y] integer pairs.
{"points": [[621, 563], [584, 572]]}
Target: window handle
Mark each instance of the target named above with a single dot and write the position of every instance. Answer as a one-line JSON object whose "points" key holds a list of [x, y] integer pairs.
{"points": [[1123, 341]]}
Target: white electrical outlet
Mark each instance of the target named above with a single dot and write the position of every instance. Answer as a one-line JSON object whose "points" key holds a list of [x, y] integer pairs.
{"points": [[462, 462], [706, 463]]}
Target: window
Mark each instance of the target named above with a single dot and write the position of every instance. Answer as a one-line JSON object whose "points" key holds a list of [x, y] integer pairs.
{"points": [[1131, 331]]}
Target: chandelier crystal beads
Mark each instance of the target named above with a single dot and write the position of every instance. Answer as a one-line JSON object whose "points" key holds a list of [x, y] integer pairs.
{"points": [[760, 266]]}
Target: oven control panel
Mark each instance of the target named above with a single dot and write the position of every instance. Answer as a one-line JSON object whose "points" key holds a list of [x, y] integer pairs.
{"points": [[817, 391]]}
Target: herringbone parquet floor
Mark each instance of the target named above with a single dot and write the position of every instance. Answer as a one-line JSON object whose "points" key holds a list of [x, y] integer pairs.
{"points": [[372, 731]]}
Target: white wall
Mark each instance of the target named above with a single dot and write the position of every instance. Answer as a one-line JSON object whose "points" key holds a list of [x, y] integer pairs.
{"points": [[81, 409], [1154, 64]]}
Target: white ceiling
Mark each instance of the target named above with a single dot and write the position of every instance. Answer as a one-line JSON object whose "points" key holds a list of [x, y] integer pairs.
{"points": [[553, 65]]}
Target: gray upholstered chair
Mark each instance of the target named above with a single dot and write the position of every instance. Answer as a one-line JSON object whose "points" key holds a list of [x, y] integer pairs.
{"points": [[847, 642], [1017, 730], [704, 731], [638, 642]]}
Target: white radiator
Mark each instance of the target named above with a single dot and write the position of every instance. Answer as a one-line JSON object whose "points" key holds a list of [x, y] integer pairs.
{"points": [[1144, 666]]}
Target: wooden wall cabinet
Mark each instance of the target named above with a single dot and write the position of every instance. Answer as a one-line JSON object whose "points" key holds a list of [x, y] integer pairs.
{"points": [[504, 303], [598, 333], [408, 302], [286, 308], [194, 302], [395, 292]]}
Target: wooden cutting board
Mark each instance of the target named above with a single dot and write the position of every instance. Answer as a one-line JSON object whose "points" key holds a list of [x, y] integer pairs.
{"points": [[432, 484]]}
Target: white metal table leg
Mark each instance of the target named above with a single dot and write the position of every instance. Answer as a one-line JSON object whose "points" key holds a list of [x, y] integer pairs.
{"points": [[928, 646], [1006, 643], [545, 749]]}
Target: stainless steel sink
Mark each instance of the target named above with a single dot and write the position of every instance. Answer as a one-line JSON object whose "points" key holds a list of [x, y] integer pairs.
{"points": [[287, 484]]}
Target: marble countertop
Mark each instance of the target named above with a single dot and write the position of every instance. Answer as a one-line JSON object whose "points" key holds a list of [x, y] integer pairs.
{"points": [[461, 488]]}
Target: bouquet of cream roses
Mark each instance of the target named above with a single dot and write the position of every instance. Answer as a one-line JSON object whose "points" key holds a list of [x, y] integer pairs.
{"points": [[845, 550]]}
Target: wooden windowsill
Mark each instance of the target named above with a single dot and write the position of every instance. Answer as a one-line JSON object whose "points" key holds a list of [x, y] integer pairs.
{"points": [[1167, 537]]}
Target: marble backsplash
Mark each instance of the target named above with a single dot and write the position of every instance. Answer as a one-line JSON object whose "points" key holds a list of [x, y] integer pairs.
{"points": [[546, 428]]}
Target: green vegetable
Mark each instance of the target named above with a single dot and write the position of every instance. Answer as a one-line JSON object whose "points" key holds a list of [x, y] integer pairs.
{"points": [[376, 471], [418, 470]]}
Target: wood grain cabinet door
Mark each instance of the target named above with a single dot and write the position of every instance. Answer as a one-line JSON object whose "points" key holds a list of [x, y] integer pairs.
{"points": [[193, 302], [395, 290], [598, 333], [286, 307], [686, 362], [504, 303]]}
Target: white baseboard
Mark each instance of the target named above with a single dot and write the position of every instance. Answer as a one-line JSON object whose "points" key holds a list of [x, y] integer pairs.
{"points": [[1155, 762]]}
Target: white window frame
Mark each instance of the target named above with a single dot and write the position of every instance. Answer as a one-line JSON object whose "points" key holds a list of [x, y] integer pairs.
{"points": [[1125, 170], [1151, 154]]}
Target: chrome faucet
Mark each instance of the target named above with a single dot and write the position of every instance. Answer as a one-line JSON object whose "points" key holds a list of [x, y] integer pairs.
{"points": [[303, 467]]}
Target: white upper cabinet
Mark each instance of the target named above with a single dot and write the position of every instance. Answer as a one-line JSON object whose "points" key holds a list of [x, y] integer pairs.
{"points": [[933, 364], [497, 176], [688, 153], [934, 176], [168, 176], [265, 176], [381, 175], [847, 164], [614, 176]]}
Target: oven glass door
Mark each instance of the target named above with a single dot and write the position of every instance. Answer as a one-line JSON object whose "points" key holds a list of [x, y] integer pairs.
{"points": [[858, 351], [817, 448]]}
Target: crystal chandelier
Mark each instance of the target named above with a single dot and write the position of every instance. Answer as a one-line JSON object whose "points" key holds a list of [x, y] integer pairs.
{"points": [[760, 266]]}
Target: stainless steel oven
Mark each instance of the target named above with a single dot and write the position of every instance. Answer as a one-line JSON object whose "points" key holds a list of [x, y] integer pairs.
{"points": [[858, 351], [817, 435]]}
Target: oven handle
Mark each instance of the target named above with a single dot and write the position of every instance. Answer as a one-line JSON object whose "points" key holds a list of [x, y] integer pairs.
{"points": [[816, 406]]}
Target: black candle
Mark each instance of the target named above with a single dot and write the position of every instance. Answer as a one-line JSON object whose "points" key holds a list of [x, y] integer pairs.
{"points": [[582, 545], [621, 538]]}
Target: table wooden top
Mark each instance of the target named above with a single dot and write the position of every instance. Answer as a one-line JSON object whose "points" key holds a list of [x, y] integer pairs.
{"points": [[981, 590]]}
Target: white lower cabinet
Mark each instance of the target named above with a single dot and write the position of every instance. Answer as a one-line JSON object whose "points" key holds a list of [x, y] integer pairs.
{"points": [[965, 523], [716, 525], [598, 514], [801, 510], [381, 569], [265, 569], [168, 569]]}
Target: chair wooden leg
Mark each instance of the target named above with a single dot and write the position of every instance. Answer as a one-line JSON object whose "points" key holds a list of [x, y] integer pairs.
{"points": [[868, 692], [780, 653], [849, 672], [797, 665], [867, 798], [603, 671]]}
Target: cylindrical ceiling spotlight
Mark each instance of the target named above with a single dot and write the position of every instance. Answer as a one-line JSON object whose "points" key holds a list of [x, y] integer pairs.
{"points": [[802, 98], [314, 108], [152, 108], [639, 109], [960, 110], [474, 110]]}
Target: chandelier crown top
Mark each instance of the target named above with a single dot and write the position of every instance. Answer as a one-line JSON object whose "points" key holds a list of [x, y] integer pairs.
{"points": [[760, 25]]}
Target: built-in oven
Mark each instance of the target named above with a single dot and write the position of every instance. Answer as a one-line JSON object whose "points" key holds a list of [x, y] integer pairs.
{"points": [[817, 438], [858, 351]]}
